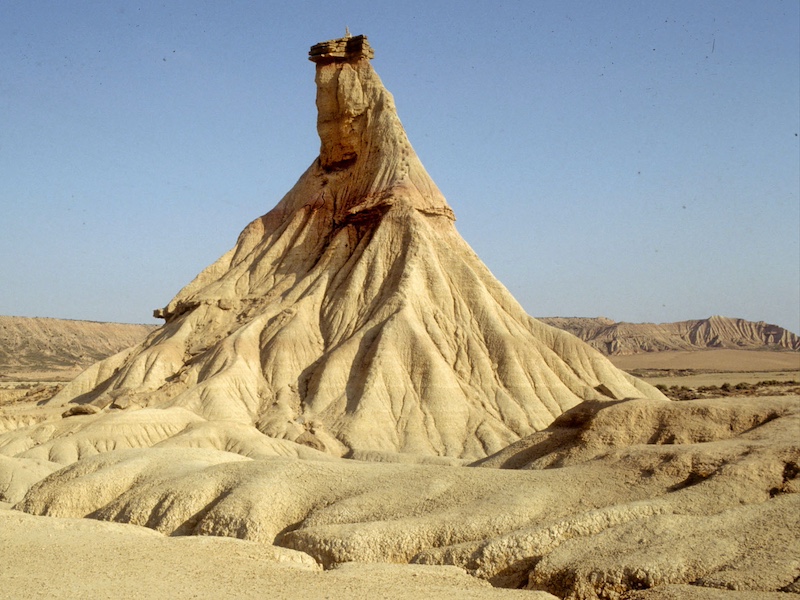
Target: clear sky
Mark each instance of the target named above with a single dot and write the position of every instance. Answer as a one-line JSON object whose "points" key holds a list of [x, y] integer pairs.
{"points": [[636, 160]]}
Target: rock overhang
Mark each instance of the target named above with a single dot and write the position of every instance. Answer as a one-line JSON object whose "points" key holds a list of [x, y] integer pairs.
{"points": [[347, 48]]}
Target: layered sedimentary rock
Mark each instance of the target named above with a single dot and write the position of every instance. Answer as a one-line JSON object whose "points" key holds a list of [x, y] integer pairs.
{"points": [[612, 497], [353, 317], [612, 338], [60, 346]]}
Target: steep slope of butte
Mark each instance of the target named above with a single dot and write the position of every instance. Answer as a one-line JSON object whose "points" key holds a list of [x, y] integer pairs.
{"points": [[353, 317]]}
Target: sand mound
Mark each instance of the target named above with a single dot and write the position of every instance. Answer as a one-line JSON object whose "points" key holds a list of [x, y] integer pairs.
{"points": [[78, 437], [34, 448], [752, 548], [599, 524], [17, 475], [353, 316], [595, 428]]}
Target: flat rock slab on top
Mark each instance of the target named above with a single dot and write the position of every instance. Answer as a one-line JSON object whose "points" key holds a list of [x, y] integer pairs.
{"points": [[348, 47]]}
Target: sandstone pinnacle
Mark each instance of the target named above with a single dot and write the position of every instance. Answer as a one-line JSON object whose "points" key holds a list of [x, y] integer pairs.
{"points": [[352, 317]]}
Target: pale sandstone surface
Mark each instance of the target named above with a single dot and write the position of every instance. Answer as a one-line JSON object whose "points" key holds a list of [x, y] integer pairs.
{"points": [[754, 548], [595, 428], [354, 318], [69, 558], [38, 440], [693, 592], [612, 497], [18, 474], [70, 439]]}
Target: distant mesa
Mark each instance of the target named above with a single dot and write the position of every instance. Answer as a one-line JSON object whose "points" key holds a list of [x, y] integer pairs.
{"points": [[614, 339], [352, 317], [59, 349]]}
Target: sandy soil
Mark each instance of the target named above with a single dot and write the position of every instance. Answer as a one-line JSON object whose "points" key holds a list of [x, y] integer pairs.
{"points": [[46, 557], [712, 360], [712, 367], [694, 380], [49, 557]]}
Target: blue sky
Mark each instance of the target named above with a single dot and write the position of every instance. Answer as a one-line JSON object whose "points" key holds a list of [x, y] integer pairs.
{"points": [[639, 161]]}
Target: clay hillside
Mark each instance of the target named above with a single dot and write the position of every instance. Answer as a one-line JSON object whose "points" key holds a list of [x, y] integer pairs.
{"points": [[353, 318], [349, 405], [60, 348], [612, 338]]}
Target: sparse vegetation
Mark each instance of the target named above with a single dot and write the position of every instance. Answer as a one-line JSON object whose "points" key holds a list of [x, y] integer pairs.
{"points": [[769, 387], [27, 392]]}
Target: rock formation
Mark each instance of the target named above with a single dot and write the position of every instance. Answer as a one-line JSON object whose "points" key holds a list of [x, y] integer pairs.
{"points": [[612, 497], [353, 317], [612, 338]]}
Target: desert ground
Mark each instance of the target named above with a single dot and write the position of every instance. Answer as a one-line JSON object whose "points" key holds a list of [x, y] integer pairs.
{"points": [[69, 557], [752, 371]]}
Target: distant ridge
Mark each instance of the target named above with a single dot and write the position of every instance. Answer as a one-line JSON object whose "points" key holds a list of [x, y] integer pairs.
{"points": [[35, 344], [614, 339], [38, 344], [29, 344]]}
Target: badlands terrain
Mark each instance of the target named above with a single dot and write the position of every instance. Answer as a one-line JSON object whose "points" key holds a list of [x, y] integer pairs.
{"points": [[616, 339], [612, 491], [348, 404], [59, 349]]}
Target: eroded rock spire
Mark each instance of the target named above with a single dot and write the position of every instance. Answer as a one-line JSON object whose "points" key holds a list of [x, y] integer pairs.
{"points": [[353, 318], [361, 135]]}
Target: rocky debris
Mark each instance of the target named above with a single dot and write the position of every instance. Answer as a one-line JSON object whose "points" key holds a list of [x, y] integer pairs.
{"points": [[80, 409], [347, 48], [698, 592], [767, 387]]}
